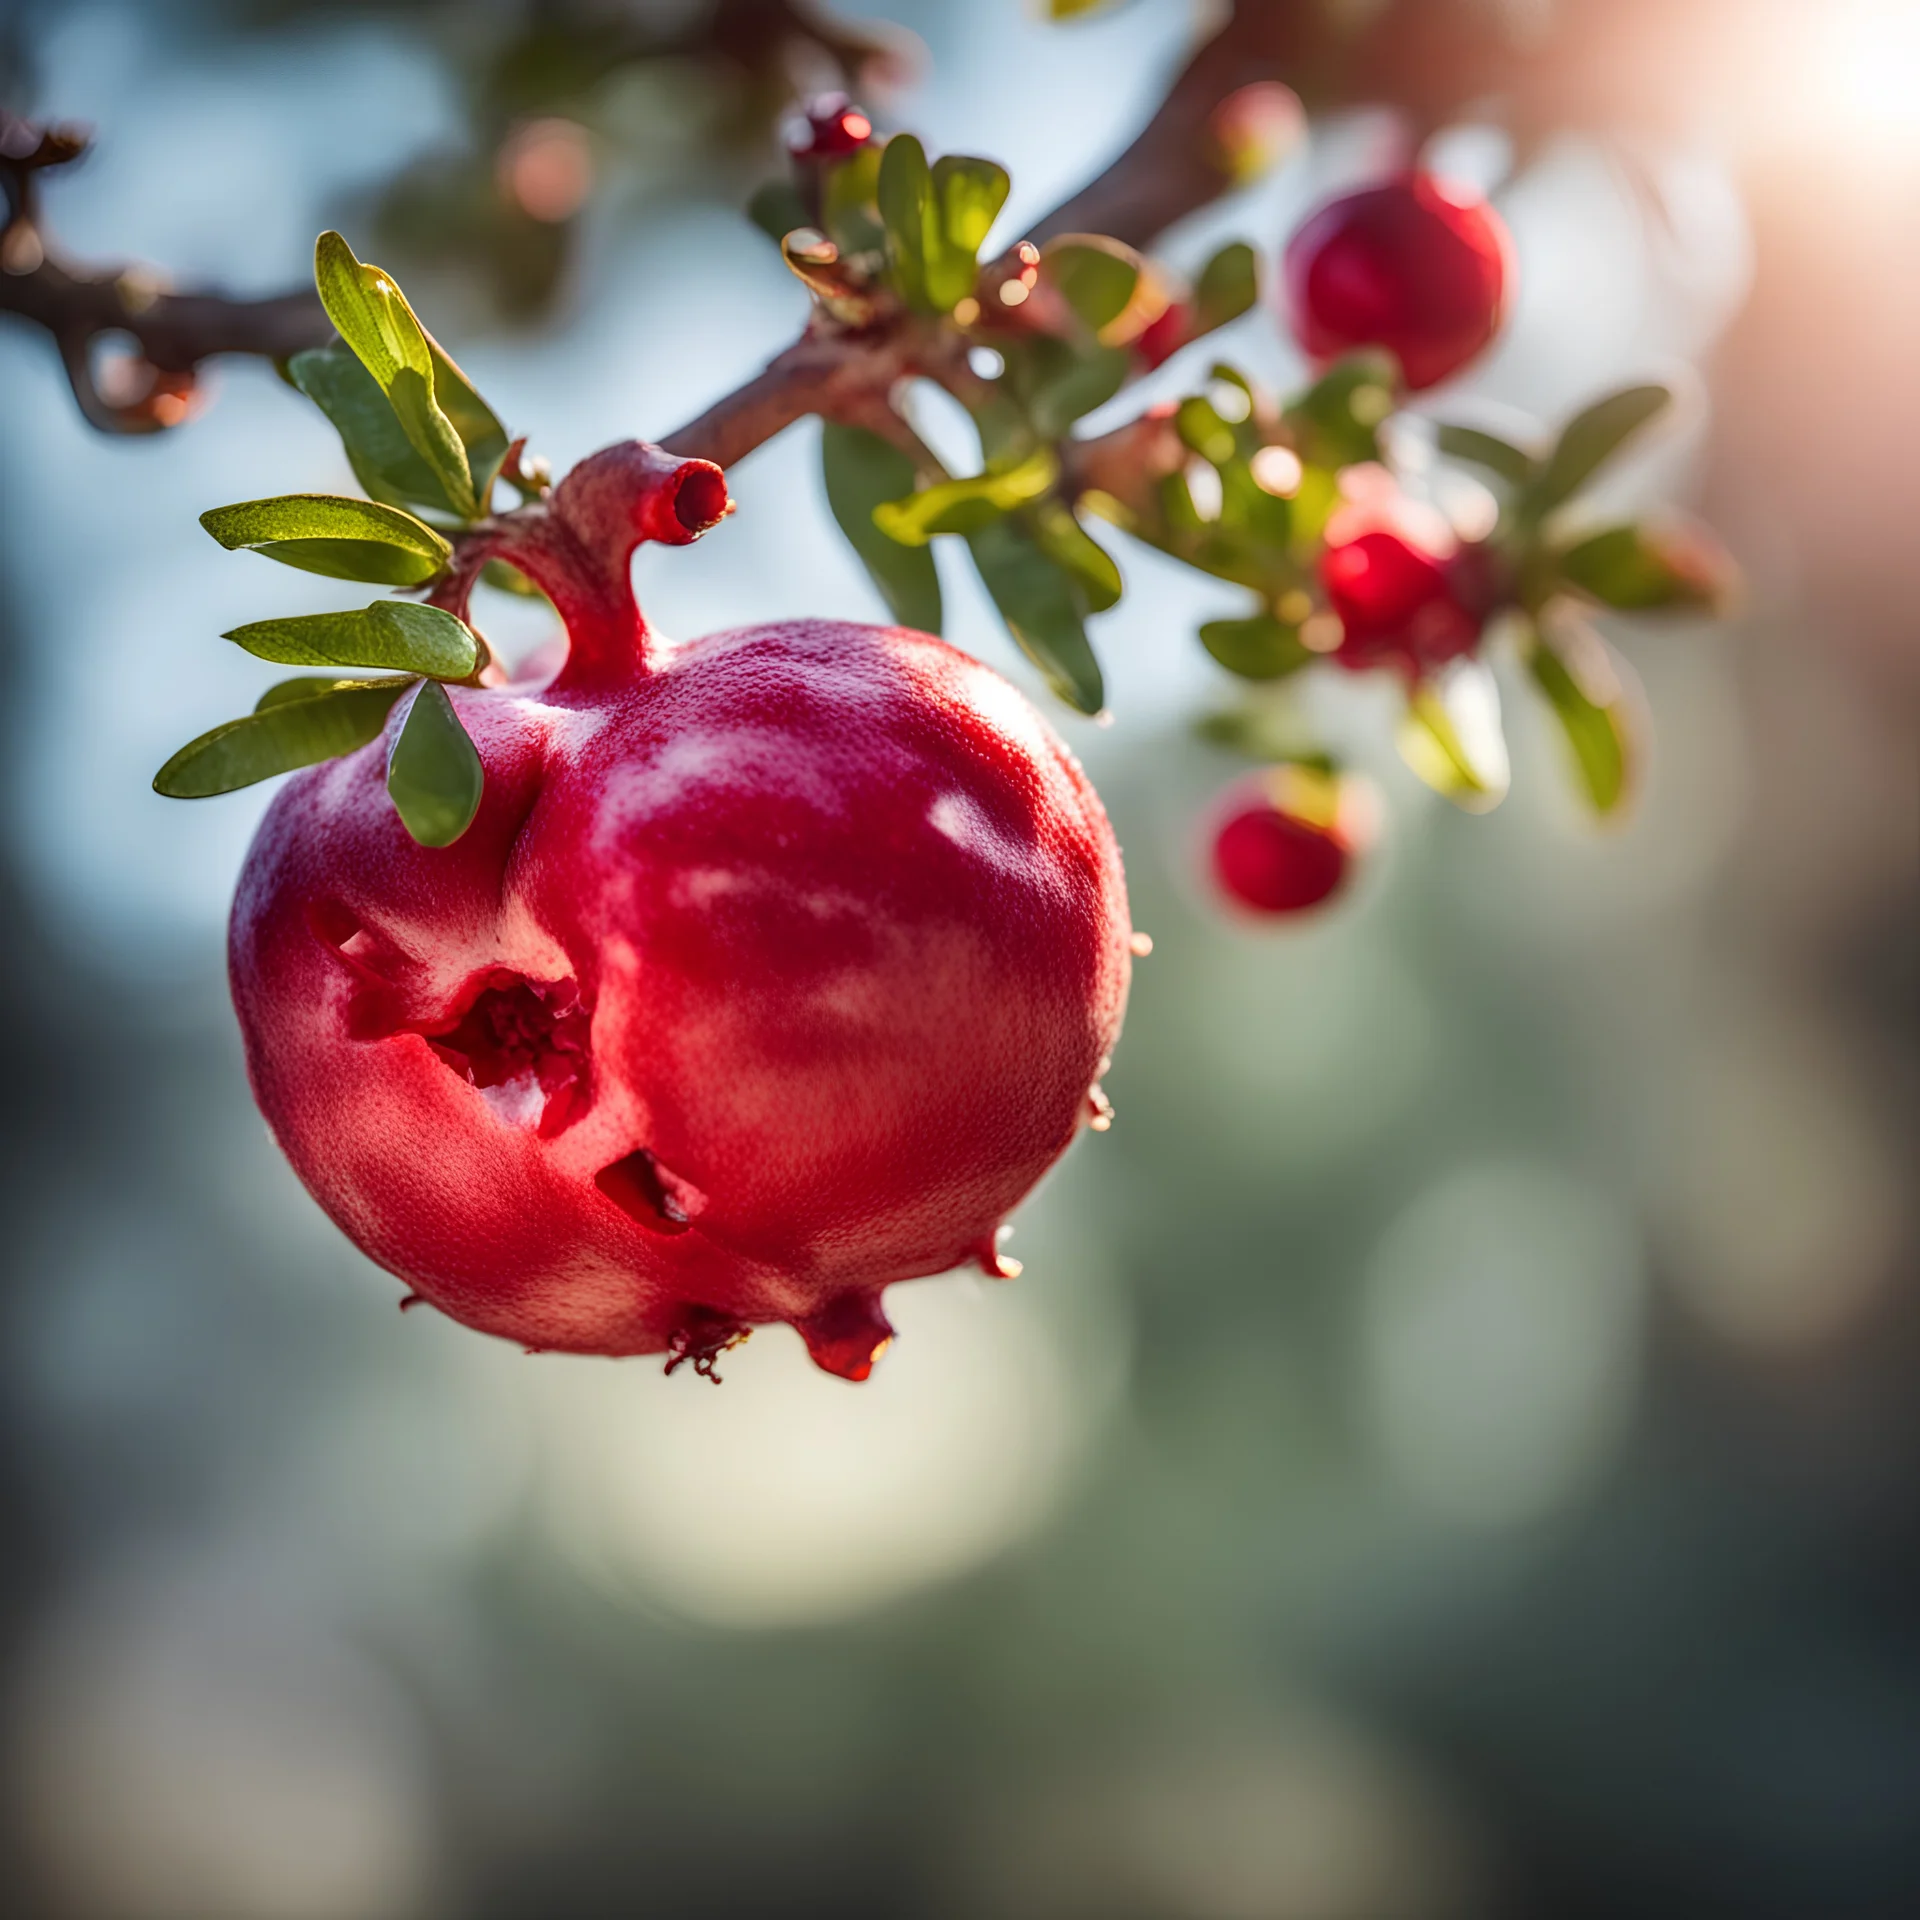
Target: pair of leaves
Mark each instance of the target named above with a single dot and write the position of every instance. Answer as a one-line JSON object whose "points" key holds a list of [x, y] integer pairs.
{"points": [[1587, 442], [936, 219], [455, 441], [433, 772]]}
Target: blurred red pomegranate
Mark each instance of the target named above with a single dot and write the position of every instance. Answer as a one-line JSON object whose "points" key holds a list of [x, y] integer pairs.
{"points": [[774, 968], [1401, 607], [1417, 266], [1282, 841]]}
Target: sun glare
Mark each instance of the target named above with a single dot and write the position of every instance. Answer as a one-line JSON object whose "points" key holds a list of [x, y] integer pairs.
{"points": [[1864, 70]]}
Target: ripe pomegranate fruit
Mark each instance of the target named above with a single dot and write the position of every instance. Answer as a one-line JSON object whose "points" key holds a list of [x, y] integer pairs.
{"points": [[1400, 606], [1417, 266], [775, 967], [1282, 842]]}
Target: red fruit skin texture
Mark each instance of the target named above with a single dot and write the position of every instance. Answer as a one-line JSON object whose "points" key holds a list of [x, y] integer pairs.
{"points": [[1416, 267], [1399, 606], [775, 967], [1271, 862]]}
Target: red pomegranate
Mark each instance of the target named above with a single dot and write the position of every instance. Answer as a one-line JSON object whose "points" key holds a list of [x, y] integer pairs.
{"points": [[833, 128], [1283, 842], [1399, 606], [775, 967], [1418, 266]]}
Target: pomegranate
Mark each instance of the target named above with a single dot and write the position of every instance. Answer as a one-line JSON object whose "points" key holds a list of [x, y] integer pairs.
{"points": [[1418, 266], [1400, 606], [775, 967], [833, 128], [1283, 842]]}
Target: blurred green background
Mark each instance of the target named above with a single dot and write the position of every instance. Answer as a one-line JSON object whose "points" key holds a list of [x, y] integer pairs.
{"points": [[1455, 1448]]}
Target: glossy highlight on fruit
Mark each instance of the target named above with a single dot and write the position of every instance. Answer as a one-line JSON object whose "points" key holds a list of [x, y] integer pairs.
{"points": [[1418, 266], [776, 966]]}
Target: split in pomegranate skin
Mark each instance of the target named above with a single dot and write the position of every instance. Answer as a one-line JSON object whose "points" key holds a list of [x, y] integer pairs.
{"points": [[1278, 852], [775, 967], [1399, 606], [1414, 266]]}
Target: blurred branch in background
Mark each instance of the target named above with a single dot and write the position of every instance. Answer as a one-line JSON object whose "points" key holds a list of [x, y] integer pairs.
{"points": [[552, 85]]}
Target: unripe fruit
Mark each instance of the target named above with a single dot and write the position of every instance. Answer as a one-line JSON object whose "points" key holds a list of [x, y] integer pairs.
{"points": [[775, 967], [1417, 266], [1283, 841], [1399, 606]]}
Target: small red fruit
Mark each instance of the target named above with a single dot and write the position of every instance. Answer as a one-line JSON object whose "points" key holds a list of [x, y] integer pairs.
{"points": [[1280, 843], [775, 967], [1399, 606], [834, 127], [1416, 266]]}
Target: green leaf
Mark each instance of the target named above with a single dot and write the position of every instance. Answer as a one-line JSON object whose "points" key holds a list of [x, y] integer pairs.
{"points": [[1056, 382], [1336, 422], [308, 686], [850, 203], [478, 426], [373, 318], [1595, 728], [777, 209], [1487, 450], [1068, 544], [333, 534], [906, 211], [1228, 286], [393, 634], [967, 197], [1450, 736], [1642, 569], [1593, 437], [1042, 610], [1096, 277], [965, 506], [864, 472], [433, 773], [383, 458], [1260, 648], [1200, 427], [295, 725]]}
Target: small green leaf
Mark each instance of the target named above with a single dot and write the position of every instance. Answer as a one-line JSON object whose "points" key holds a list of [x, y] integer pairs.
{"points": [[967, 197], [965, 506], [308, 686], [1260, 648], [1068, 544], [1336, 422], [433, 773], [297, 724], [777, 209], [394, 634], [863, 472], [333, 534], [1201, 428], [1228, 286], [478, 426], [509, 579], [1644, 569], [1595, 728], [1095, 276], [1593, 437], [384, 460], [850, 203], [1487, 450], [1042, 610], [1450, 736], [906, 210], [373, 318], [1056, 383]]}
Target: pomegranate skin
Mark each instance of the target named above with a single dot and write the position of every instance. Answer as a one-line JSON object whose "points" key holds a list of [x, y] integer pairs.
{"points": [[1414, 266], [1270, 862], [776, 967], [1399, 606]]}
